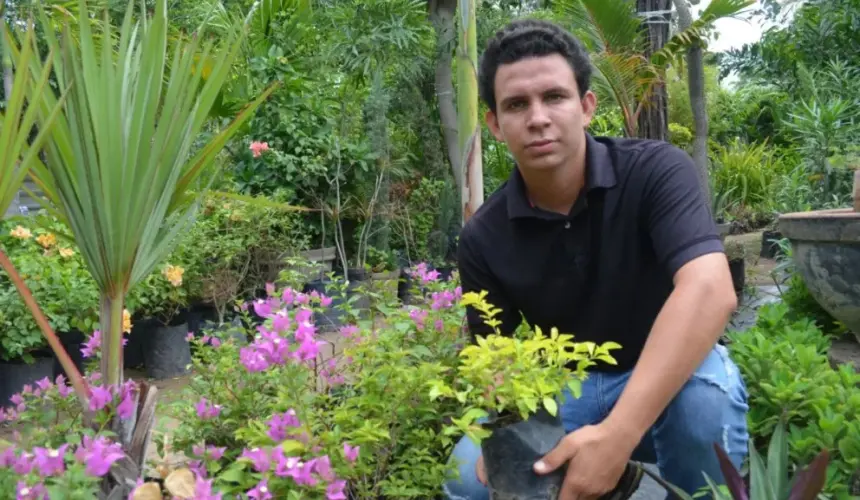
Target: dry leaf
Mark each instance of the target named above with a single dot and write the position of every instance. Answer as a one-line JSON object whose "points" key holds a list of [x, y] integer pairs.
{"points": [[147, 491], [180, 483]]}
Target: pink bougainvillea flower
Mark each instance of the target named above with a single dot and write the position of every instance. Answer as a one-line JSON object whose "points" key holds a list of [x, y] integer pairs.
{"points": [[323, 468], [263, 308], [335, 490], [281, 321], [23, 491], [418, 316], [92, 345], [64, 389], [203, 490], [252, 359], [261, 491], [350, 452], [207, 411], [279, 424], [258, 148], [99, 397], [50, 462], [98, 455], [44, 384], [259, 458]]}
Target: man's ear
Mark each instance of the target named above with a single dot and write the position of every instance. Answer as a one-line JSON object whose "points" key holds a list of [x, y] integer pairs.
{"points": [[493, 125], [589, 106]]}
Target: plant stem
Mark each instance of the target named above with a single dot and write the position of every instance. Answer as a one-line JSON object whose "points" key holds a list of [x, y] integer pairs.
{"points": [[111, 324], [68, 365]]}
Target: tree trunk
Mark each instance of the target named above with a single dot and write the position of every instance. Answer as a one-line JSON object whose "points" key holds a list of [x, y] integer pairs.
{"points": [[469, 129], [696, 85], [442, 17], [654, 119]]}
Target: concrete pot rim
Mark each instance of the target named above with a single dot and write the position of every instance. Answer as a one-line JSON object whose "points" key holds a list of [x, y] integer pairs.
{"points": [[839, 225]]}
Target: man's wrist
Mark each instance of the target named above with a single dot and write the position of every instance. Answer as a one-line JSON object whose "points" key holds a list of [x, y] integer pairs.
{"points": [[625, 428]]}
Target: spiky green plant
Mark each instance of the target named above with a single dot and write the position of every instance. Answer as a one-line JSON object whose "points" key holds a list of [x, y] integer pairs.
{"points": [[120, 163], [18, 154]]}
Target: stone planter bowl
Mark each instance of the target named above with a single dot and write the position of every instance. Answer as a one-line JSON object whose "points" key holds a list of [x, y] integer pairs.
{"points": [[826, 251]]}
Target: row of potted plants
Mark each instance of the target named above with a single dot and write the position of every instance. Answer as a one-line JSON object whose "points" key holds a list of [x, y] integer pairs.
{"points": [[266, 417]]}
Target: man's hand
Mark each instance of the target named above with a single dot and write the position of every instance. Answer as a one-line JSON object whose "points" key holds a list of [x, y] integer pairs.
{"points": [[596, 457]]}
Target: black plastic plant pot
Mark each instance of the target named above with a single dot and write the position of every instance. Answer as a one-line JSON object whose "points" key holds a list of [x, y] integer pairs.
{"points": [[738, 270], [332, 317], [72, 342], [167, 353], [511, 452], [15, 374]]}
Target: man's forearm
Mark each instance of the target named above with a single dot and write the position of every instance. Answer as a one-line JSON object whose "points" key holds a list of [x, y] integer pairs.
{"points": [[688, 326]]}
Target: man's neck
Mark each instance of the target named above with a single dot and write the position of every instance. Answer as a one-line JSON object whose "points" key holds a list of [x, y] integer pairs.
{"points": [[556, 190]]}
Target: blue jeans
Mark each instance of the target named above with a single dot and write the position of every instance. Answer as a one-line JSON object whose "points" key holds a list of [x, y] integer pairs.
{"points": [[710, 408]]}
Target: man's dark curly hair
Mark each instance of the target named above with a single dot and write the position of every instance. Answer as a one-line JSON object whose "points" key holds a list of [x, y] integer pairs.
{"points": [[524, 38]]}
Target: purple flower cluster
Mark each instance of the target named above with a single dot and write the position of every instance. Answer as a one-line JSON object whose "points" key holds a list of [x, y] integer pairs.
{"points": [[284, 338], [423, 272], [311, 472], [93, 345], [101, 397], [96, 454]]}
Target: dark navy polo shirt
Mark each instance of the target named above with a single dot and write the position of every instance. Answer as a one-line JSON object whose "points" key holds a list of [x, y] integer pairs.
{"points": [[604, 271]]}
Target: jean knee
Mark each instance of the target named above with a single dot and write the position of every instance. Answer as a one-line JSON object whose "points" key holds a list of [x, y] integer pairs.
{"points": [[466, 486], [712, 407]]}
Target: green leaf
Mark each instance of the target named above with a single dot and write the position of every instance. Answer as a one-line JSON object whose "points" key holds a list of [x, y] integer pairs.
{"points": [[777, 462], [760, 486], [575, 386], [550, 405]]}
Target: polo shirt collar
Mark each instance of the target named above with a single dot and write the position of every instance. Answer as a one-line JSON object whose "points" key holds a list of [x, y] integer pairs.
{"points": [[599, 173]]}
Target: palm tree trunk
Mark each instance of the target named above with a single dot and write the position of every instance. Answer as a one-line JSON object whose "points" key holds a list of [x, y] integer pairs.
{"points": [[698, 104], [469, 131], [442, 14], [653, 122]]}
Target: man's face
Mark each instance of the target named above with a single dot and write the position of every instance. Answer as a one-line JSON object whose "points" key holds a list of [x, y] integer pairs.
{"points": [[539, 113]]}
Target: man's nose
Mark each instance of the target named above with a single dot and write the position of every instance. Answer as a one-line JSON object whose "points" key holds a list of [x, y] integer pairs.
{"points": [[538, 116]]}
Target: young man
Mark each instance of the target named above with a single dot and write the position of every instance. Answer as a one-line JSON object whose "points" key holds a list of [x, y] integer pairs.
{"points": [[608, 239]]}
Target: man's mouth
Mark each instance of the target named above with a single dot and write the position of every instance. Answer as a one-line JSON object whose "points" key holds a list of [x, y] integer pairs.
{"points": [[539, 144]]}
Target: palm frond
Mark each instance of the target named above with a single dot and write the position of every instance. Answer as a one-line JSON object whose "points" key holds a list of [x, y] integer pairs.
{"points": [[698, 31], [604, 25]]}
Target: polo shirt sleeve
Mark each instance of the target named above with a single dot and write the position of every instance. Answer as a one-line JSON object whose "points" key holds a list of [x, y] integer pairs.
{"points": [[677, 216], [475, 276]]}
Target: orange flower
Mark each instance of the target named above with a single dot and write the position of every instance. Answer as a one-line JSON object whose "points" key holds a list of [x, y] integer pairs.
{"points": [[126, 321], [21, 232], [173, 274], [47, 240]]}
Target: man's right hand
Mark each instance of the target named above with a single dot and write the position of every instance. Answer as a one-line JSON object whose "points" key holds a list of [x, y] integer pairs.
{"points": [[480, 471]]}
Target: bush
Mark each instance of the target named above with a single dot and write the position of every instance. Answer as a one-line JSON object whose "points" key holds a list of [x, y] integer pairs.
{"points": [[789, 376]]}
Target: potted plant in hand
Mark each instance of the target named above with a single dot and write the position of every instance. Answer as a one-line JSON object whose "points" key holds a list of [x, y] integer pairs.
{"points": [[510, 386]]}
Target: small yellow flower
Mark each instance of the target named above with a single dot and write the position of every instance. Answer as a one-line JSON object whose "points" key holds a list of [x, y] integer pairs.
{"points": [[66, 252], [47, 240], [21, 232], [126, 321], [173, 274]]}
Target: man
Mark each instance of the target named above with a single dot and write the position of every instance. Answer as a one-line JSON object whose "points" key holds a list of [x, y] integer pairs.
{"points": [[611, 240]]}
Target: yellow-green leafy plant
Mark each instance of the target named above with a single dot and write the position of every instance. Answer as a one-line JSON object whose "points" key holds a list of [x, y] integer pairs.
{"points": [[508, 378]]}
